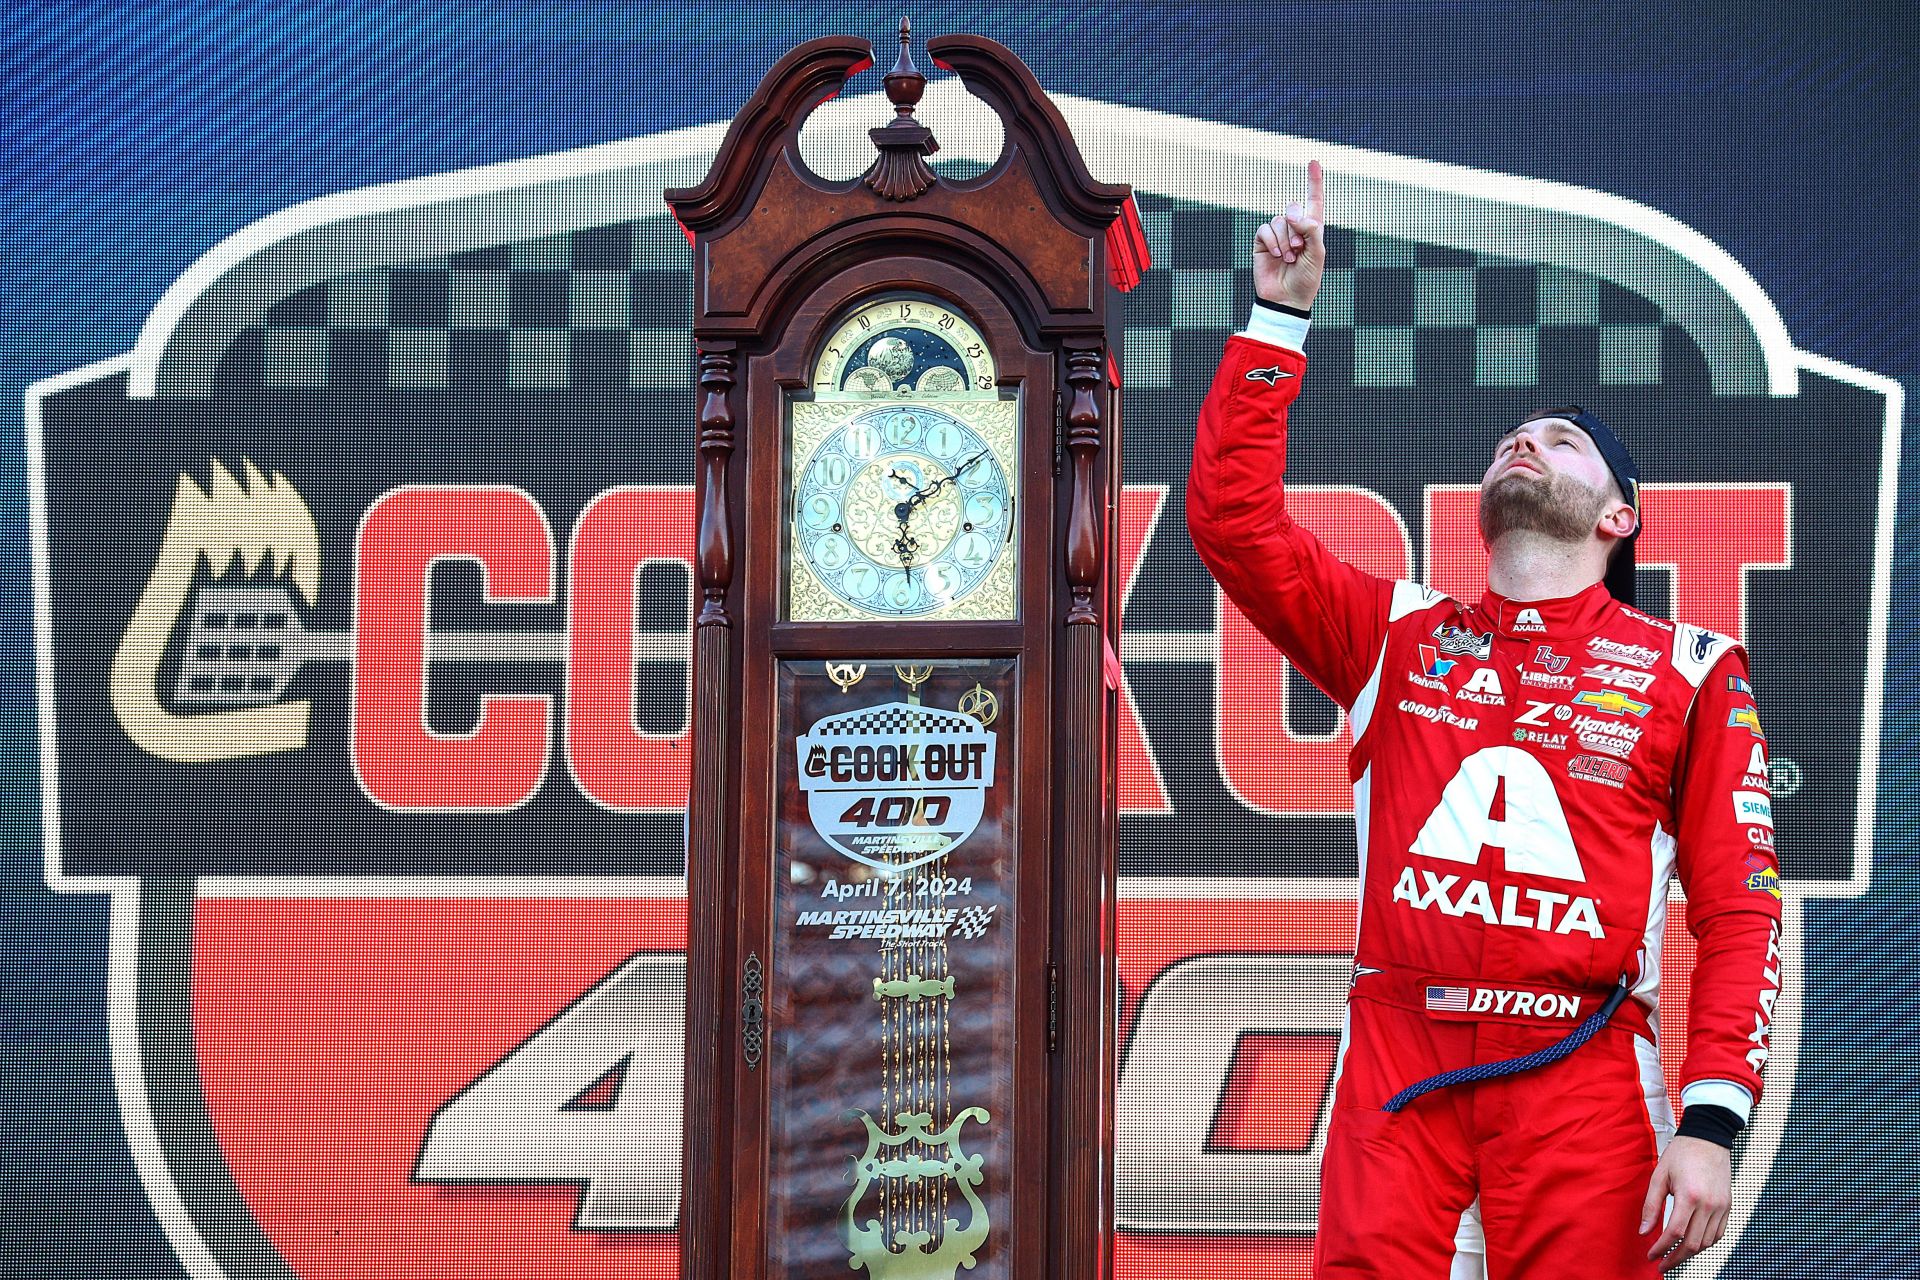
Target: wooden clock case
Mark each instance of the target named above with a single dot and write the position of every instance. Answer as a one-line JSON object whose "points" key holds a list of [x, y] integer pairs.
{"points": [[1035, 251]]}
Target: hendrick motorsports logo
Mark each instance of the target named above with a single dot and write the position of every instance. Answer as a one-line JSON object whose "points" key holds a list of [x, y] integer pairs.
{"points": [[897, 785]]}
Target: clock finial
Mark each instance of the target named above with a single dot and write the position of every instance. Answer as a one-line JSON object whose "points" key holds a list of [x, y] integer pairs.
{"points": [[901, 171], [905, 84]]}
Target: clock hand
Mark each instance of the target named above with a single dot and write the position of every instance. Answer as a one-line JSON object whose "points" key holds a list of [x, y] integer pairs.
{"points": [[921, 495], [905, 545], [903, 510]]}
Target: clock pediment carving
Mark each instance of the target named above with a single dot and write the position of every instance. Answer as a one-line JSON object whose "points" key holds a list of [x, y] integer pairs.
{"points": [[797, 233]]}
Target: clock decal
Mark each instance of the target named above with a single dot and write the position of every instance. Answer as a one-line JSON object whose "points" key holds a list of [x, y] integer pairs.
{"points": [[904, 473]]}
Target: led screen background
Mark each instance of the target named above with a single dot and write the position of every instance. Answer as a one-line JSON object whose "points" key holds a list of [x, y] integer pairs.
{"points": [[145, 135]]}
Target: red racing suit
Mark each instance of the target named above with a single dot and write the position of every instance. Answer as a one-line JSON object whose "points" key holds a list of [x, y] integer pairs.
{"points": [[1528, 776]]}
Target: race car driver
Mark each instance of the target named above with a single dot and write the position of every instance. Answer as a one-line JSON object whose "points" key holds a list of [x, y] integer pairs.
{"points": [[1530, 769]]}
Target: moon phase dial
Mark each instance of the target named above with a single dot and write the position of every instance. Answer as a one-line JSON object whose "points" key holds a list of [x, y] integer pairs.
{"points": [[905, 348]]}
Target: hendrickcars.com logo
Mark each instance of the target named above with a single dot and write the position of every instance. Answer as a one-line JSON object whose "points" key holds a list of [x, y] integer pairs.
{"points": [[364, 583]]}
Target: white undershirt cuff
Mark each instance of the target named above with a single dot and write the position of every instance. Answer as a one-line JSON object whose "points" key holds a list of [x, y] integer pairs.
{"points": [[1719, 1093], [1277, 328]]}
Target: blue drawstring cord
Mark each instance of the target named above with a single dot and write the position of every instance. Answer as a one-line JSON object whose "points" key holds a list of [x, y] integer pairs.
{"points": [[1514, 1066]]}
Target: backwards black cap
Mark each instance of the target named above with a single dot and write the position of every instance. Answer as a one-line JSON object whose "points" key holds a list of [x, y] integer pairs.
{"points": [[1626, 473]]}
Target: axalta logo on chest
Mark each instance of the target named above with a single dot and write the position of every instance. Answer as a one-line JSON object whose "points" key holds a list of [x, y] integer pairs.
{"points": [[1530, 834], [1519, 908]]}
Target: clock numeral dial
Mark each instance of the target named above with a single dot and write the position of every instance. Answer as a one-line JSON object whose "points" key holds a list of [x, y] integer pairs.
{"points": [[943, 440], [904, 512], [832, 552], [820, 512], [863, 441], [984, 510], [902, 428], [974, 551], [860, 581], [900, 592]]}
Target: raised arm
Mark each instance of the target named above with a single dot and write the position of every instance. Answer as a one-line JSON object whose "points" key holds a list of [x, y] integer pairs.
{"points": [[1324, 614], [1290, 252]]}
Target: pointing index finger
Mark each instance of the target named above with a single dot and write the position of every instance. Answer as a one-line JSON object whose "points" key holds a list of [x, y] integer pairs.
{"points": [[1316, 191]]}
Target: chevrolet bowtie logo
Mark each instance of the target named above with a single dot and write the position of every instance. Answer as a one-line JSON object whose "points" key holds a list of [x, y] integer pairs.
{"points": [[1747, 718], [1613, 702], [1269, 375]]}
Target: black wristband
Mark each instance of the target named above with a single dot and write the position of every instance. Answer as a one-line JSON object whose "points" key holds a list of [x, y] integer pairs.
{"points": [[1281, 306], [1709, 1123]]}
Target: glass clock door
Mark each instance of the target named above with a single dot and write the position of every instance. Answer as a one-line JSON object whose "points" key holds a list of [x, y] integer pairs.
{"points": [[891, 1051]]}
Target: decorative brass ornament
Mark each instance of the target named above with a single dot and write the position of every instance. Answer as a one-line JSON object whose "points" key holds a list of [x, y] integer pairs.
{"points": [[913, 988], [846, 674], [753, 1010], [979, 703], [912, 1260], [913, 677]]}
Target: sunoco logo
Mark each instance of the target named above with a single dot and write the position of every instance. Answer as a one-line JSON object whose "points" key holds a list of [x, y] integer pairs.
{"points": [[896, 785]]}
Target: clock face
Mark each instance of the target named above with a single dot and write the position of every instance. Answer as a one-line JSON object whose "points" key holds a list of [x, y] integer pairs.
{"points": [[904, 470], [906, 511]]}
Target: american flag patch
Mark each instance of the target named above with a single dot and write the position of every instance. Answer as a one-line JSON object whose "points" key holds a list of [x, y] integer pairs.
{"points": [[1447, 999]]}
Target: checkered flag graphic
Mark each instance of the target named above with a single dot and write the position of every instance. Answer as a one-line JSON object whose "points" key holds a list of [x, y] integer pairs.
{"points": [[973, 921], [893, 718], [610, 306]]}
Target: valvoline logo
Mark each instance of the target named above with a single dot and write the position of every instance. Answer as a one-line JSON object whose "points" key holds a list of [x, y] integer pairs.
{"points": [[1433, 665]]}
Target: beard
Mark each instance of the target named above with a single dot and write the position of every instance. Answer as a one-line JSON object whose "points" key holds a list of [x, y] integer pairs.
{"points": [[1556, 506]]}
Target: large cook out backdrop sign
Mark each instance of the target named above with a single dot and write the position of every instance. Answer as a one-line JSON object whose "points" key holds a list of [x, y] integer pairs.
{"points": [[365, 582]]}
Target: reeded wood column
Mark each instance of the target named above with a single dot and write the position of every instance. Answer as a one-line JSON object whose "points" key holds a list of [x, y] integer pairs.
{"points": [[1084, 1198], [710, 1030]]}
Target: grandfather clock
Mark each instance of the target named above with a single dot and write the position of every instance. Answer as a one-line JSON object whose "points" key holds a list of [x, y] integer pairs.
{"points": [[900, 882]]}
